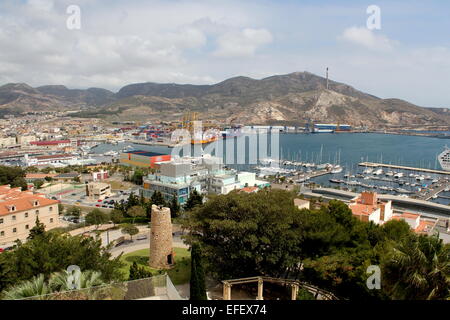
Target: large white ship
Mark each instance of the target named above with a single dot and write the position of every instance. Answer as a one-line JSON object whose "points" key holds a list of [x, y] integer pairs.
{"points": [[444, 159]]}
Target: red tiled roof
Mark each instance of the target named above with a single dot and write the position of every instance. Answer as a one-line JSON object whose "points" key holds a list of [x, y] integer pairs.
{"points": [[49, 143], [21, 200]]}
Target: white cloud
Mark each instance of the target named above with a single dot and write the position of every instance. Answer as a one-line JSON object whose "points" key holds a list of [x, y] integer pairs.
{"points": [[367, 38], [242, 43]]}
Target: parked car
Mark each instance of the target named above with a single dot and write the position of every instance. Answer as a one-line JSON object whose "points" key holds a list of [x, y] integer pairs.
{"points": [[97, 205], [99, 200]]}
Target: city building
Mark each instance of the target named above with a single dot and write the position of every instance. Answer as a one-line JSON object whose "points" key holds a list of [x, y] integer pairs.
{"points": [[18, 213], [143, 159], [367, 207], [49, 160], [7, 142], [98, 190], [205, 174], [54, 144], [302, 204], [416, 222], [100, 175]]}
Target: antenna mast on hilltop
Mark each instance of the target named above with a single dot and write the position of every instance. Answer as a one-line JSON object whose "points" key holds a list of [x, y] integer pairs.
{"points": [[327, 78]]}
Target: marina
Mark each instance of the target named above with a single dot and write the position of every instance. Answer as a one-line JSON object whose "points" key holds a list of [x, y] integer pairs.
{"points": [[384, 165]]}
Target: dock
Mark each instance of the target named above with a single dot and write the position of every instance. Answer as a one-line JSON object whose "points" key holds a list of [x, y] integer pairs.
{"points": [[384, 165]]}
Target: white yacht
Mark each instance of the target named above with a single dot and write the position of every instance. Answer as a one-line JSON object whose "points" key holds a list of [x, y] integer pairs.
{"points": [[377, 172], [336, 169], [398, 175]]}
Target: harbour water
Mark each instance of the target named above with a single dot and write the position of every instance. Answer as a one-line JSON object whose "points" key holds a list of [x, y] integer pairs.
{"points": [[346, 149]]}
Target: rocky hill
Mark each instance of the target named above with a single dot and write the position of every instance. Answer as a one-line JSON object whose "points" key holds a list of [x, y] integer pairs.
{"points": [[293, 98]]}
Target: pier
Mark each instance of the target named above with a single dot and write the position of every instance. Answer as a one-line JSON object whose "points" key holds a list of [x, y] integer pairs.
{"points": [[374, 164]]}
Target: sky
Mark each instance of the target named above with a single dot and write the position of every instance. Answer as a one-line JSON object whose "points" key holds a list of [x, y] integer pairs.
{"points": [[118, 42]]}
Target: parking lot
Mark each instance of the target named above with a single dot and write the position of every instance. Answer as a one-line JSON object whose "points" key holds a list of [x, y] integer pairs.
{"points": [[78, 197]]}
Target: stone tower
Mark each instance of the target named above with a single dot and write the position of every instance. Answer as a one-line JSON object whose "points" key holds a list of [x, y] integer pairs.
{"points": [[161, 251]]}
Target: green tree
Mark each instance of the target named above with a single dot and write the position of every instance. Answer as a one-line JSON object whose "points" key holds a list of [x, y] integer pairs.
{"points": [[38, 183], [60, 281], [130, 230], [243, 234], [158, 199], [195, 199], [136, 211], [60, 208], [97, 217], [174, 206], [133, 200], [52, 252], [137, 177], [197, 283], [73, 211], [116, 216], [37, 230], [36, 286], [418, 268], [138, 272]]}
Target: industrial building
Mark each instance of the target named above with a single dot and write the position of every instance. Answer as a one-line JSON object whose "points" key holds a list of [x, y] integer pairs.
{"points": [[143, 159]]}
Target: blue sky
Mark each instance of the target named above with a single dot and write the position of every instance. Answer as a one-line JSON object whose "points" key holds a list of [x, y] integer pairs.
{"points": [[187, 41]]}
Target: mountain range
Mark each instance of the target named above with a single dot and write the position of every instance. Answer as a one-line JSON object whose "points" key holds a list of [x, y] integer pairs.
{"points": [[293, 98]]}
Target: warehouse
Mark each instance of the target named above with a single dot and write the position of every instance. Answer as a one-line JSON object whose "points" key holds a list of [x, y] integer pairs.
{"points": [[143, 159]]}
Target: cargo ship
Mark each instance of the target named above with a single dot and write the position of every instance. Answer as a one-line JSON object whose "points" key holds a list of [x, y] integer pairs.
{"points": [[331, 128], [207, 137]]}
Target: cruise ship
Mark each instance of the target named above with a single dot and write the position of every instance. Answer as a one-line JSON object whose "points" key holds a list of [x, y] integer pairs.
{"points": [[444, 159]]}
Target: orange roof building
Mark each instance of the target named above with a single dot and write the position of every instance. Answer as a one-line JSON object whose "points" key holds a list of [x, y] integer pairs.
{"points": [[19, 210], [367, 207], [416, 222]]}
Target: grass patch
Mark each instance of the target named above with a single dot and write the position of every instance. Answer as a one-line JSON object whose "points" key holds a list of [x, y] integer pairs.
{"points": [[180, 273]]}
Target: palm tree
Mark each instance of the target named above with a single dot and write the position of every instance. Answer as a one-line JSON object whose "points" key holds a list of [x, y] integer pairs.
{"points": [[418, 268], [61, 281], [34, 287]]}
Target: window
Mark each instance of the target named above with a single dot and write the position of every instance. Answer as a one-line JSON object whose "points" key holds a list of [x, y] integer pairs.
{"points": [[37, 211], [51, 220], [14, 230], [50, 209], [1, 220], [13, 218], [27, 226], [2, 233], [26, 214]]}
